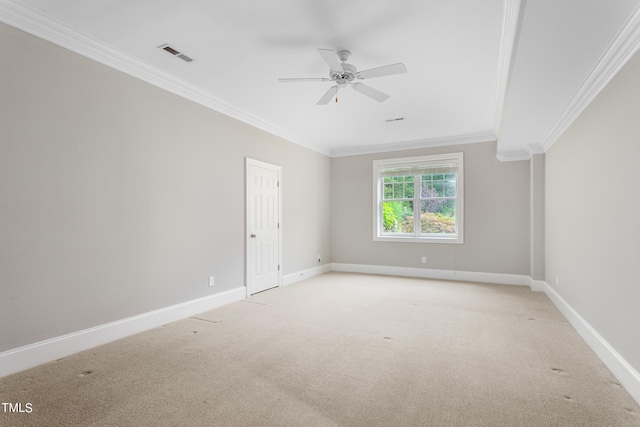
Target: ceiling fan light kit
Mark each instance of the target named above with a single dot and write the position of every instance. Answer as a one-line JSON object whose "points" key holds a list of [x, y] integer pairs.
{"points": [[343, 74]]}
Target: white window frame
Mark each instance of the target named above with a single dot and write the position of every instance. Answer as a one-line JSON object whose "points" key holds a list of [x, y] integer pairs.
{"points": [[450, 158]]}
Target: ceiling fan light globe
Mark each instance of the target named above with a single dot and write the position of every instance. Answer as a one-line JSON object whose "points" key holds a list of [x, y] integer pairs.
{"points": [[344, 55]]}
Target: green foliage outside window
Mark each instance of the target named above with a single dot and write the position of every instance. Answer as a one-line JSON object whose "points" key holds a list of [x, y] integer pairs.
{"points": [[389, 218], [437, 204], [397, 216]]}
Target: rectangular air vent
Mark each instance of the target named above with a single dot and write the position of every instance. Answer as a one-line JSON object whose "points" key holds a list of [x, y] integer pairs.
{"points": [[175, 52], [171, 50], [397, 119]]}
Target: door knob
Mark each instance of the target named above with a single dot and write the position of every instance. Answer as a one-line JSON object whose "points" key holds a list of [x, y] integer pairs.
{"points": [[253, 236]]}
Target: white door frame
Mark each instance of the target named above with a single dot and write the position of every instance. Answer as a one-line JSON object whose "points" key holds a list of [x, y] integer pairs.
{"points": [[248, 163]]}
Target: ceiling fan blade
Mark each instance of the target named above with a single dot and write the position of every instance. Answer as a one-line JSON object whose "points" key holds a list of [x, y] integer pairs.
{"points": [[387, 70], [304, 79], [331, 58], [370, 92], [328, 96]]}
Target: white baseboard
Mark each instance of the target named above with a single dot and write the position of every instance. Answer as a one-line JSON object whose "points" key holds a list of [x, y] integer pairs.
{"points": [[426, 273], [31, 355], [290, 279], [623, 371], [537, 285]]}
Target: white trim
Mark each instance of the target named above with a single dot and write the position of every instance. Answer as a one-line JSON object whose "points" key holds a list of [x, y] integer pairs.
{"points": [[512, 156], [621, 369], [457, 238], [426, 273], [413, 239], [622, 48], [41, 26], [253, 162], [31, 355], [507, 47], [535, 149], [537, 285], [414, 145], [292, 278]]}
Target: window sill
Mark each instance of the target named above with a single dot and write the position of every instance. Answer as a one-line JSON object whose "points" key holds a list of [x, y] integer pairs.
{"points": [[413, 239]]}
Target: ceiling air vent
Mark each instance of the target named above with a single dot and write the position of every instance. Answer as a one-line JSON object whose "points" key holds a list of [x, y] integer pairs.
{"points": [[175, 52], [397, 119]]}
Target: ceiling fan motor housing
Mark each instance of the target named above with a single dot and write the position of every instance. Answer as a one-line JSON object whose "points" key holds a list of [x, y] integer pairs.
{"points": [[347, 74]]}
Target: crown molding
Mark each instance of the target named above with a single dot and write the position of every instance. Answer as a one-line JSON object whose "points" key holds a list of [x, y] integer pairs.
{"points": [[622, 48], [535, 149], [513, 156], [32, 22], [418, 144], [624, 45], [510, 33], [526, 154]]}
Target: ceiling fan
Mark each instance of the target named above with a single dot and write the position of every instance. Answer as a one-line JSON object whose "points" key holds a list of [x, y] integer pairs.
{"points": [[343, 74]]}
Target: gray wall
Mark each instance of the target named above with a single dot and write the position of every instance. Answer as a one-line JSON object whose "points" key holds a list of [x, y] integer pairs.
{"points": [[496, 203], [117, 198], [593, 210], [536, 215]]}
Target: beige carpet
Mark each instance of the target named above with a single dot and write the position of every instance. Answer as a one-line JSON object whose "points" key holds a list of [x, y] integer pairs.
{"points": [[339, 350]]}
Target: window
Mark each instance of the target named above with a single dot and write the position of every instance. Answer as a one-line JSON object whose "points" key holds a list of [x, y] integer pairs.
{"points": [[419, 199]]}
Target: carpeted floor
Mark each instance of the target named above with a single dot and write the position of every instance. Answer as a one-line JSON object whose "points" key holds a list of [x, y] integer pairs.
{"points": [[339, 350]]}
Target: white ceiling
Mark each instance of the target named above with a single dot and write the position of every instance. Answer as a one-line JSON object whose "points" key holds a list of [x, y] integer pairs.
{"points": [[513, 70]]}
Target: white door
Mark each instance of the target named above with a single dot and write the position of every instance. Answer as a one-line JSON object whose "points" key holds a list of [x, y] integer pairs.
{"points": [[263, 226]]}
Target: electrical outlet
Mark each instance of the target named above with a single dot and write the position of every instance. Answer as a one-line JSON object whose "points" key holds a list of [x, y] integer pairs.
{"points": [[557, 279], [424, 259], [210, 280]]}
